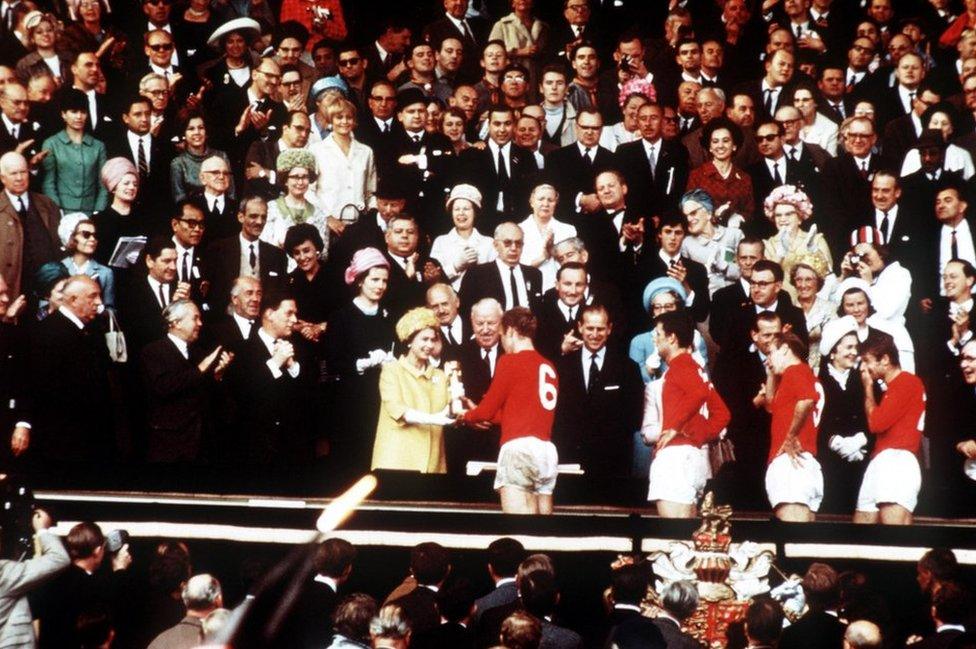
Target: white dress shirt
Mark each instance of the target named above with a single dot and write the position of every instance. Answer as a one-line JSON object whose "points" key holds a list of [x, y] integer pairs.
{"points": [[456, 328], [155, 286], [180, 345], [964, 243], [492, 356], [246, 270], [134, 146], [507, 158], [587, 357], [243, 325], [506, 271], [879, 217]]}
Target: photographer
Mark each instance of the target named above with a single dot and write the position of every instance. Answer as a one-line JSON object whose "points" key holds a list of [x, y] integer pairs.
{"points": [[18, 577], [890, 282]]}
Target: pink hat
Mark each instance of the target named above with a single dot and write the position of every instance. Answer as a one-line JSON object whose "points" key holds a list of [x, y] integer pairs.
{"points": [[114, 170], [362, 261]]}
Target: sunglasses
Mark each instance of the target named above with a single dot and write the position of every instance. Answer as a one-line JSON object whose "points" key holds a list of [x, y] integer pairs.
{"points": [[347, 63], [193, 224], [161, 47], [767, 138], [86, 234]]}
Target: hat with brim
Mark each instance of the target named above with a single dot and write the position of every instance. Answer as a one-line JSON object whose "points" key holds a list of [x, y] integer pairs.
{"points": [[833, 331], [660, 285], [248, 28]]}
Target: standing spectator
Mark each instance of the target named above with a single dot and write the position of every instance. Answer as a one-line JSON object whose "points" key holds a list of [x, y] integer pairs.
{"points": [[728, 185], [201, 595], [307, 282], [526, 37], [819, 626], [680, 600], [542, 230], [710, 242], [656, 171], [184, 169], [297, 168], [80, 240], [351, 622], [121, 179], [74, 160], [463, 246], [504, 557]]}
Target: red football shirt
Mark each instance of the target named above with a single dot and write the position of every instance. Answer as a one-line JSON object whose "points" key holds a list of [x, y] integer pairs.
{"points": [[522, 397], [683, 395], [798, 383], [900, 417]]}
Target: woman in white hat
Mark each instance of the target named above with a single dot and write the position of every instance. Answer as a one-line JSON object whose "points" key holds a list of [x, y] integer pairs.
{"points": [[855, 300], [842, 445], [463, 246], [232, 40], [42, 35]]}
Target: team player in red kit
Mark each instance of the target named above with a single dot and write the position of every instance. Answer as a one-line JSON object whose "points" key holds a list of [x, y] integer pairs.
{"points": [[522, 398], [794, 398], [889, 489], [693, 414]]}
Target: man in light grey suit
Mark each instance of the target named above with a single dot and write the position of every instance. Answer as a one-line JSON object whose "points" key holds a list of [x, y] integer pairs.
{"points": [[17, 578]]}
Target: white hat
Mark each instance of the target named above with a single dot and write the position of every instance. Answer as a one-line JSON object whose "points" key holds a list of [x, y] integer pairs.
{"points": [[236, 25], [467, 192], [833, 331]]}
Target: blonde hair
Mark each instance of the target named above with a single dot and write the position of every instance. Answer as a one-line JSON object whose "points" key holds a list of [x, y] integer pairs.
{"points": [[340, 107]]}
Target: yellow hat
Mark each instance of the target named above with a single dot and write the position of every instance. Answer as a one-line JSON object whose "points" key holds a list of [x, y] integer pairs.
{"points": [[413, 321]]}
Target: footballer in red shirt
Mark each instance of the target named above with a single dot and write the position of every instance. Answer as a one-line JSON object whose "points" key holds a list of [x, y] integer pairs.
{"points": [[893, 478], [522, 399]]}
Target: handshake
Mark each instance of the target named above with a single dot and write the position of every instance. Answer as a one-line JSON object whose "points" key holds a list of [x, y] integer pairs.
{"points": [[850, 448], [376, 357]]}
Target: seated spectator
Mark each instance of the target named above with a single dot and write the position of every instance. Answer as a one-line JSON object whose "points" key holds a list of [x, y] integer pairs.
{"points": [[764, 622], [80, 239], [463, 246], [202, 595], [297, 168], [788, 207], [184, 169], [819, 626], [430, 564], [504, 556], [74, 161], [710, 242]]}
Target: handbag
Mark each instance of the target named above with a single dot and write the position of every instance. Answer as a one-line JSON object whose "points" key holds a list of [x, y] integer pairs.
{"points": [[115, 340], [720, 451]]}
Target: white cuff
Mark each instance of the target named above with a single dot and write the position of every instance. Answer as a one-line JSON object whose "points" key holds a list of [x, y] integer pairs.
{"points": [[22, 424], [275, 370]]}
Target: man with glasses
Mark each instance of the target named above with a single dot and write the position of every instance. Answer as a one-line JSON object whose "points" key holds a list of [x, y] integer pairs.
{"points": [[808, 157], [505, 279], [575, 166], [901, 133], [17, 129], [156, 15], [772, 170], [250, 112], [262, 156], [571, 29], [160, 50], [219, 206], [188, 225], [352, 69]]}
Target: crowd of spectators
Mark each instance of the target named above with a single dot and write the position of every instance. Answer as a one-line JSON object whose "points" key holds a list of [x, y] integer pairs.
{"points": [[219, 219]]}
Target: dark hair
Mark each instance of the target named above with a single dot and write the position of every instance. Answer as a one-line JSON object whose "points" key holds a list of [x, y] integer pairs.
{"points": [[334, 556], [797, 347], [629, 583], [429, 562], [539, 593], [93, 625], [591, 309], [764, 620], [678, 323], [505, 555], [168, 572], [579, 46], [456, 599], [515, 67], [156, 245], [951, 603], [967, 268], [553, 67], [247, 198], [942, 107], [718, 124], [131, 101], [771, 266], [764, 316], [271, 299], [521, 320], [821, 586], [183, 203], [673, 218], [780, 131], [348, 46], [351, 618], [879, 346], [941, 563], [302, 232], [748, 240], [570, 265], [83, 540]]}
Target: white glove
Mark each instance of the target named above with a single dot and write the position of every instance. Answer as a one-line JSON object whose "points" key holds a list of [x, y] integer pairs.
{"points": [[376, 357], [851, 448], [653, 363], [418, 418]]}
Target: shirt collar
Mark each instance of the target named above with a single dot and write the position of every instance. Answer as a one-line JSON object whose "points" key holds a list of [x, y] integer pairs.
{"points": [[956, 307], [63, 310], [13, 198], [213, 198], [666, 258], [328, 581], [381, 222], [266, 339], [771, 307], [839, 375], [180, 345], [242, 322], [600, 355], [245, 244]]}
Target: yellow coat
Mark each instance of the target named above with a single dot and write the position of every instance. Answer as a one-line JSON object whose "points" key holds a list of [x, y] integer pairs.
{"points": [[404, 446]]}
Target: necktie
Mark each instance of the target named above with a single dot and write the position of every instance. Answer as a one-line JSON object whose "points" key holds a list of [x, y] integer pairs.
{"points": [[578, 29], [185, 275], [839, 107], [386, 127], [214, 213], [586, 157], [672, 264], [794, 153], [415, 138], [142, 161], [953, 246], [468, 36], [253, 258], [513, 284], [594, 374], [768, 101], [22, 212], [885, 224], [14, 131], [448, 336], [864, 169], [569, 314], [799, 31], [502, 169], [911, 99], [652, 160], [487, 359], [777, 178], [162, 296]]}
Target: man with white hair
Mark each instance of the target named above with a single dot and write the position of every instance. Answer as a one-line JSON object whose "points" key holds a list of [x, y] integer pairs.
{"points": [[862, 634], [201, 596], [28, 224]]}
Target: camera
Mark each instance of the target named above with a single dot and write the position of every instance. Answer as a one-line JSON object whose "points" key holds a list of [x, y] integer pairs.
{"points": [[854, 259], [115, 539], [625, 64]]}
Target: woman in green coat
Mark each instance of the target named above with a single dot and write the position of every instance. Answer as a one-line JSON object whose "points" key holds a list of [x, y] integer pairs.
{"points": [[74, 160]]}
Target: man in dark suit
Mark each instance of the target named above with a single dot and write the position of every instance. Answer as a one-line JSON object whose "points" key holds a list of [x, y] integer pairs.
{"points": [[220, 210], [151, 156], [424, 160], [772, 91], [596, 290], [503, 171], [951, 610], [901, 134], [628, 588], [897, 101], [143, 300], [71, 417], [572, 169], [380, 128], [601, 402], [333, 565], [405, 289], [504, 556], [848, 177], [902, 230], [653, 191], [771, 171], [17, 127], [430, 564], [669, 261], [918, 188], [469, 31], [455, 329], [560, 313], [269, 384], [248, 113], [953, 238], [159, 49], [175, 377], [86, 75], [505, 279], [727, 300], [231, 330], [188, 225], [830, 80], [260, 166], [679, 600], [615, 234], [244, 254], [384, 56], [819, 627]]}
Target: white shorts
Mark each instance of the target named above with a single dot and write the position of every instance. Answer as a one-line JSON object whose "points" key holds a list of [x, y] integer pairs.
{"points": [[787, 484], [893, 476], [529, 464], [678, 474]]}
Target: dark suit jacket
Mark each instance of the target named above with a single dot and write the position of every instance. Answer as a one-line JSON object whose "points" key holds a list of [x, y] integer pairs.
{"points": [[478, 168], [571, 175], [443, 28], [484, 280], [941, 640], [649, 196], [220, 224], [230, 103], [420, 608], [140, 314], [368, 132], [754, 87], [899, 137], [674, 636], [27, 131], [448, 634], [908, 239], [265, 153], [314, 609], [403, 293], [553, 326], [224, 266], [425, 190], [606, 261], [849, 196], [501, 595], [177, 399], [69, 393], [652, 266], [593, 426], [154, 191], [815, 630], [224, 331]]}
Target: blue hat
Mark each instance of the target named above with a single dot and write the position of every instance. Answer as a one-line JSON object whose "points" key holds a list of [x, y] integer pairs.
{"points": [[701, 197], [323, 84], [660, 285]]}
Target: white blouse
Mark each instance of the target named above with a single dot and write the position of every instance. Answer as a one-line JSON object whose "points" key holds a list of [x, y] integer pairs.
{"points": [[344, 180], [535, 241], [448, 246]]}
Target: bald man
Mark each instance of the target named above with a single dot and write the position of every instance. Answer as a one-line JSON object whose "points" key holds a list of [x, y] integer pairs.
{"points": [[68, 374], [862, 634]]}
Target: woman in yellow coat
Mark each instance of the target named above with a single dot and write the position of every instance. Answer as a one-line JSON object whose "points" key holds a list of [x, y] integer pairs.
{"points": [[414, 400]]}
